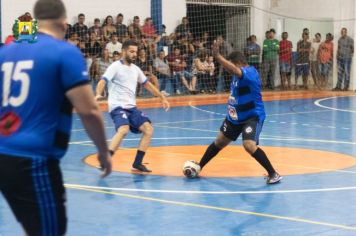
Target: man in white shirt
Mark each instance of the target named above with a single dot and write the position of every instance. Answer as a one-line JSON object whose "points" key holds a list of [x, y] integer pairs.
{"points": [[122, 77], [113, 45]]}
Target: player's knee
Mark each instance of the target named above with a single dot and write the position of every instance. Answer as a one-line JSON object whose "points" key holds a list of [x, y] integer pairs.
{"points": [[123, 130], [148, 130], [250, 146]]}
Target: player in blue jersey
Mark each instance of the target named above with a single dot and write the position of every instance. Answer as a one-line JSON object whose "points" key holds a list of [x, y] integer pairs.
{"points": [[245, 112], [40, 83]]}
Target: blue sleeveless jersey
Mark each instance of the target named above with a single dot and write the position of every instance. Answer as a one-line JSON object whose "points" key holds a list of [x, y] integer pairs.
{"points": [[245, 99], [35, 115]]}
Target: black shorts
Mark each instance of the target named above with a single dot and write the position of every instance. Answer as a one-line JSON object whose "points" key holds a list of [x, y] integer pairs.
{"points": [[35, 192], [250, 129]]}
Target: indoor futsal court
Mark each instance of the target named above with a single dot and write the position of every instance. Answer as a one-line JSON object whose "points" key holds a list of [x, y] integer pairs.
{"points": [[309, 136]]}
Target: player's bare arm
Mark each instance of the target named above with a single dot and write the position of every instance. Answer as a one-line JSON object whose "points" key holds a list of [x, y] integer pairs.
{"points": [[153, 90], [100, 89], [229, 66]]}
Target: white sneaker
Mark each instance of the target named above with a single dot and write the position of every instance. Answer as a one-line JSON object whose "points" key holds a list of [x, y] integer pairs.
{"points": [[178, 92], [274, 178], [165, 93]]}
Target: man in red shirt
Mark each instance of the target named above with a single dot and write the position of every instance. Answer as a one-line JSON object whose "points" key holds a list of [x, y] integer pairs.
{"points": [[177, 64], [285, 60]]}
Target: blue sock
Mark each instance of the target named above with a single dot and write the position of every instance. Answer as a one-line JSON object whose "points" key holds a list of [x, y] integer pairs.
{"points": [[139, 158]]}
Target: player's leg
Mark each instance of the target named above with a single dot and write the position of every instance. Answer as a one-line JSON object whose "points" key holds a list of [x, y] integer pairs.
{"points": [[250, 136], [121, 122], [140, 123], [35, 192], [228, 133]]}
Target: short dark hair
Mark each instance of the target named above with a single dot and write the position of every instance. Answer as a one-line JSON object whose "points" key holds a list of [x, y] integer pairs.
{"points": [[318, 34], [129, 43], [136, 17], [120, 14], [81, 14], [49, 9], [96, 20], [116, 53], [272, 30], [237, 57]]}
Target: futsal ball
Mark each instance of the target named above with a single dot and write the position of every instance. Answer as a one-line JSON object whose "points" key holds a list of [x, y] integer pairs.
{"points": [[191, 169]]}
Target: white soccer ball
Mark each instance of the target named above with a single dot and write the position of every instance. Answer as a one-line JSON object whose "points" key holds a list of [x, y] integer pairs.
{"points": [[191, 169]]}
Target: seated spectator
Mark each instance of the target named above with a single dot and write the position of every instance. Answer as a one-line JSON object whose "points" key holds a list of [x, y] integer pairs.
{"points": [[145, 65], [205, 40], [80, 28], [201, 72], [135, 31], [109, 28], [73, 39], [93, 46], [149, 31], [209, 64], [97, 30], [113, 45], [163, 71], [121, 29], [116, 56], [178, 67], [69, 30]]}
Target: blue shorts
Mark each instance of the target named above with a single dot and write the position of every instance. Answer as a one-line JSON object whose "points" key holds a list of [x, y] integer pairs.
{"points": [[284, 67], [302, 69], [132, 117], [324, 68]]}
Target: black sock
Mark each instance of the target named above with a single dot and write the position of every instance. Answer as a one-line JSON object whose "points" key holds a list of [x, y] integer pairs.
{"points": [[111, 152], [262, 158], [139, 158], [209, 154]]}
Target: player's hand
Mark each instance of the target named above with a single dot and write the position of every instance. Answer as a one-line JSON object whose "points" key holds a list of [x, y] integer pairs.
{"points": [[98, 97], [216, 47], [105, 164], [165, 104]]}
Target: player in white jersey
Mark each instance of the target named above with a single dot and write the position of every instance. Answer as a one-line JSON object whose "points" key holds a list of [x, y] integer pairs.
{"points": [[121, 78]]}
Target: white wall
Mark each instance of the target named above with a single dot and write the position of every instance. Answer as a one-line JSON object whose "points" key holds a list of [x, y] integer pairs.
{"points": [[173, 10]]}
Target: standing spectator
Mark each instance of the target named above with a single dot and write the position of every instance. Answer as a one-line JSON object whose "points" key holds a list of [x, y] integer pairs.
{"points": [[97, 30], [69, 30], [314, 64], [325, 59], [121, 29], [205, 40], [163, 71], [285, 61], [183, 29], [270, 57], [102, 65], [345, 52], [109, 28], [80, 28], [178, 67], [252, 52], [135, 31], [113, 45], [303, 61]]}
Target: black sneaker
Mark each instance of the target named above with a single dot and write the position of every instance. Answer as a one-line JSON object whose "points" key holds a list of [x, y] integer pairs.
{"points": [[141, 168], [274, 178]]}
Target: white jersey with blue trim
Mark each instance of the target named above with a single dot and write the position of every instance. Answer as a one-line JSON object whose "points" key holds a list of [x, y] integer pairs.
{"points": [[122, 83]]}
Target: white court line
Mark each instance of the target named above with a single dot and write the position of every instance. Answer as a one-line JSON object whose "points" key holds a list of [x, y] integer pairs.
{"points": [[317, 103], [264, 137], [214, 192]]}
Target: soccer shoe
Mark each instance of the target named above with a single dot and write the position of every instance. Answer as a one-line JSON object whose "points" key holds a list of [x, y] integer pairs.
{"points": [[275, 178], [140, 168]]}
